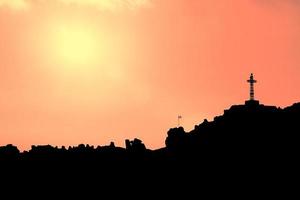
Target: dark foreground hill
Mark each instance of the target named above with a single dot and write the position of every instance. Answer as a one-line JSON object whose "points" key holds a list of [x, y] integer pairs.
{"points": [[248, 142], [243, 131]]}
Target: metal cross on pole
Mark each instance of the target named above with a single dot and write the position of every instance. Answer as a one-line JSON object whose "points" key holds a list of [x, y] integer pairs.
{"points": [[251, 81]]}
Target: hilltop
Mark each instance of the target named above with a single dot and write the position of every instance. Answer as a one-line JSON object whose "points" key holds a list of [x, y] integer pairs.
{"points": [[250, 143], [249, 130]]}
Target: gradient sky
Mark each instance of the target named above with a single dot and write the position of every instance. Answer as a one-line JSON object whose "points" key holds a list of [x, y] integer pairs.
{"points": [[95, 71]]}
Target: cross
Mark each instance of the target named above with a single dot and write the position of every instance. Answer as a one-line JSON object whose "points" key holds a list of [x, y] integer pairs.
{"points": [[251, 81]]}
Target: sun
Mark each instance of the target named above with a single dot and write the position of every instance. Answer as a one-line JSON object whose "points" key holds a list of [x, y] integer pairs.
{"points": [[75, 45]]}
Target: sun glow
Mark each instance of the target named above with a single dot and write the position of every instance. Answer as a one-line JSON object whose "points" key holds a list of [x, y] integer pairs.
{"points": [[75, 45]]}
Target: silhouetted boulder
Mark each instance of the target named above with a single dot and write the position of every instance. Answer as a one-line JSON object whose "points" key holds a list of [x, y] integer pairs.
{"points": [[112, 144], [127, 144], [176, 138], [136, 146], [9, 152]]}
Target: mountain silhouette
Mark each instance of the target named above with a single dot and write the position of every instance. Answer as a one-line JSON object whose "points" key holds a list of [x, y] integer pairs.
{"points": [[251, 130], [248, 143]]}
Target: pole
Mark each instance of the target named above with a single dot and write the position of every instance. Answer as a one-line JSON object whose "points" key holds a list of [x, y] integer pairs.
{"points": [[178, 120]]}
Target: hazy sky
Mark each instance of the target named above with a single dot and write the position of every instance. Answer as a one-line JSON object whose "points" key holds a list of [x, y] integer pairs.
{"points": [[95, 71]]}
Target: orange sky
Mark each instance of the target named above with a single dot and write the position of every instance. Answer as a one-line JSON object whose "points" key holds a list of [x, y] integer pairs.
{"points": [[95, 71]]}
